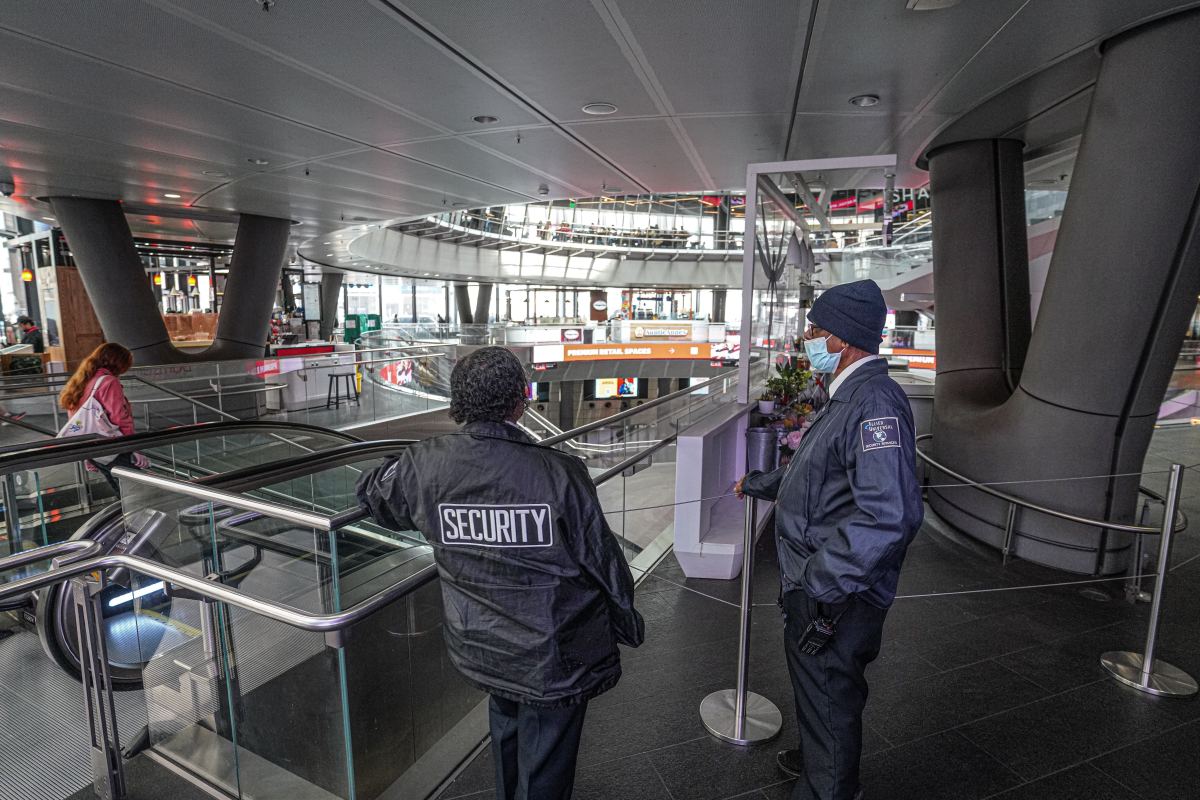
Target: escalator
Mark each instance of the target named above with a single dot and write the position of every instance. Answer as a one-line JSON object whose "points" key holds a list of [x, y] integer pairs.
{"points": [[57, 499], [255, 708]]}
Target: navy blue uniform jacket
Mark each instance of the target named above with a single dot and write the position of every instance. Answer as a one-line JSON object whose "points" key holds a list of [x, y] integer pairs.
{"points": [[848, 503], [537, 592]]}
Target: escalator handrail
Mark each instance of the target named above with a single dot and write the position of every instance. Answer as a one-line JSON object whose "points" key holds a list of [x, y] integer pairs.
{"points": [[307, 519], [316, 623], [62, 451], [284, 469], [75, 548]]}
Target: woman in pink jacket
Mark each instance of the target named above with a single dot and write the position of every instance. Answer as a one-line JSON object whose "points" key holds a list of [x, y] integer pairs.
{"points": [[100, 373]]}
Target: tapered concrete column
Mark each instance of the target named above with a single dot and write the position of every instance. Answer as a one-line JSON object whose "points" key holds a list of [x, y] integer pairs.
{"points": [[1121, 286], [331, 297], [116, 281], [289, 294], [254, 272], [463, 300], [483, 304]]}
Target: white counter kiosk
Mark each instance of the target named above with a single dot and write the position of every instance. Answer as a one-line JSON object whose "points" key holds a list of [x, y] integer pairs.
{"points": [[304, 369]]}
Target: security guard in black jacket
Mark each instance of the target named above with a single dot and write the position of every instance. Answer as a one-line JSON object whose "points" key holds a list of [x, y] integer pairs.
{"points": [[847, 506], [536, 590]]}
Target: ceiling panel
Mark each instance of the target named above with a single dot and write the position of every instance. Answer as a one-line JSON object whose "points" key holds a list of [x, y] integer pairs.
{"points": [[367, 47], [879, 47], [157, 44], [646, 149], [561, 164], [559, 61], [713, 55], [727, 144], [1041, 34], [302, 192], [90, 87], [434, 182]]}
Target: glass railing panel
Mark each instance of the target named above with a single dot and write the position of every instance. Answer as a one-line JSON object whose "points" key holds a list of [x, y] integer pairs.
{"points": [[287, 687], [638, 502]]}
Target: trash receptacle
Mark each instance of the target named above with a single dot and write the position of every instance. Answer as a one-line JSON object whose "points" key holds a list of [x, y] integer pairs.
{"points": [[762, 449]]}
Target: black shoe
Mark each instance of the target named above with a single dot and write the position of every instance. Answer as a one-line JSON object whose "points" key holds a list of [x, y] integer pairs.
{"points": [[791, 762]]}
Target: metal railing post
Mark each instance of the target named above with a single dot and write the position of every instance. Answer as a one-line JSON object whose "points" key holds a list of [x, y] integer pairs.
{"points": [[1143, 671], [107, 771], [1133, 587], [1010, 526], [739, 716]]}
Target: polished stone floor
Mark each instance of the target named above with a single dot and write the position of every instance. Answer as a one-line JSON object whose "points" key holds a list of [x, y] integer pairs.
{"points": [[981, 695]]}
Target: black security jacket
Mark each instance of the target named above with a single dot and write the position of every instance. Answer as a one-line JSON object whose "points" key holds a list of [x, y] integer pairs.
{"points": [[536, 589]]}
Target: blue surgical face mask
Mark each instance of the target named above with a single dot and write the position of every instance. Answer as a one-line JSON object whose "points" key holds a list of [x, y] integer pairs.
{"points": [[819, 356]]}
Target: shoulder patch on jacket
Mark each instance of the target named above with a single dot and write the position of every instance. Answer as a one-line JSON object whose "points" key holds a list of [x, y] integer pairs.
{"points": [[879, 433], [496, 526]]}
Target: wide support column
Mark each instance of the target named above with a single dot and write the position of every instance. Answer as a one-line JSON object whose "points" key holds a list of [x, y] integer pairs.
{"points": [[254, 272], [331, 294], [718, 304], [981, 269], [116, 281], [1121, 286]]}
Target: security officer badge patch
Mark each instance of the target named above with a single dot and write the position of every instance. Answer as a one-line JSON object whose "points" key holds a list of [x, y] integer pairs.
{"points": [[880, 433], [496, 526]]}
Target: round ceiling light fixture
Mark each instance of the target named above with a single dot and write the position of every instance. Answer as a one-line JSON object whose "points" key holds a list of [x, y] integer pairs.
{"points": [[216, 173], [486, 119], [258, 162], [864, 100], [599, 109]]}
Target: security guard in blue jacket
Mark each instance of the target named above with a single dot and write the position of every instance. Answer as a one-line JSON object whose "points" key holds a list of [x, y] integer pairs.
{"points": [[847, 506]]}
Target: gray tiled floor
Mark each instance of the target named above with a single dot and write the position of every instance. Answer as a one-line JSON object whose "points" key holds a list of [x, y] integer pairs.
{"points": [[993, 695]]}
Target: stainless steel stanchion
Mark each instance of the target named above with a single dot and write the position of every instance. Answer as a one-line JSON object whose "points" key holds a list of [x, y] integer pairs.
{"points": [[1143, 671], [737, 715]]}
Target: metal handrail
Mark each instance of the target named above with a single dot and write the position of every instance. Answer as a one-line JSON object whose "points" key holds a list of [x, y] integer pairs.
{"points": [[601, 423], [79, 548], [1180, 524], [60, 451], [182, 396], [29, 426], [317, 623], [273, 510], [633, 460]]}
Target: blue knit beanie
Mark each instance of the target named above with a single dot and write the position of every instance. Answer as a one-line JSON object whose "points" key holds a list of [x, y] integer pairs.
{"points": [[853, 312]]}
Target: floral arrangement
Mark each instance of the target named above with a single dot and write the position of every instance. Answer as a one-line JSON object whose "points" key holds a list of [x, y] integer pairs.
{"points": [[792, 390]]}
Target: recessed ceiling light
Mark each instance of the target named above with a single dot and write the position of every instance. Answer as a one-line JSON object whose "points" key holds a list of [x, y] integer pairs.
{"points": [[486, 119], [329, 254], [172, 195], [864, 100], [216, 173], [599, 109], [258, 162]]}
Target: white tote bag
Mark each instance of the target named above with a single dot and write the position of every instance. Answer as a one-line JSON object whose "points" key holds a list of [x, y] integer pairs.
{"points": [[90, 418]]}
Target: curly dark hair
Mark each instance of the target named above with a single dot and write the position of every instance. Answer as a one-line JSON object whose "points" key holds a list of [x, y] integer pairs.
{"points": [[487, 385]]}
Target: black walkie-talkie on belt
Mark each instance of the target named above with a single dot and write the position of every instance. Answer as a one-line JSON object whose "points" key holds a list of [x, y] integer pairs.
{"points": [[817, 634]]}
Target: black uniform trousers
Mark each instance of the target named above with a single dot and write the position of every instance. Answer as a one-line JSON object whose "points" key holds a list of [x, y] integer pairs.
{"points": [[534, 749], [831, 692]]}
